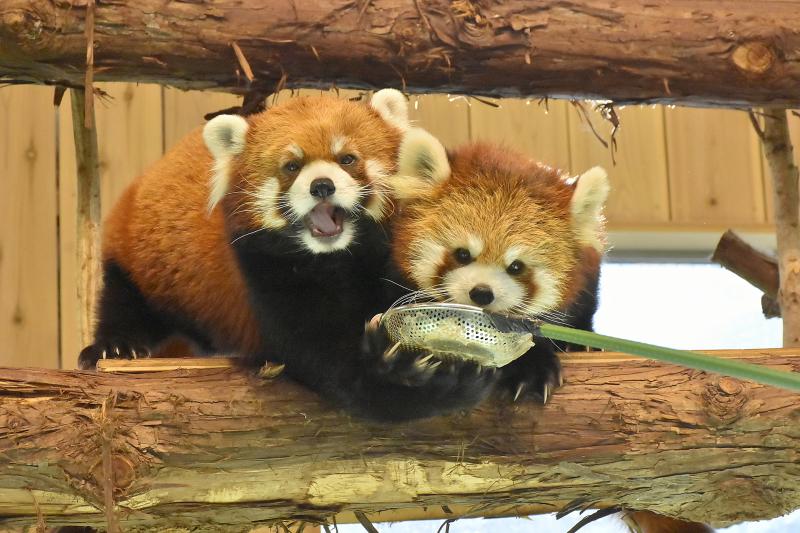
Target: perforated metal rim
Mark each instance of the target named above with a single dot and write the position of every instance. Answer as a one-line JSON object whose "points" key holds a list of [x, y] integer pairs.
{"points": [[454, 330]]}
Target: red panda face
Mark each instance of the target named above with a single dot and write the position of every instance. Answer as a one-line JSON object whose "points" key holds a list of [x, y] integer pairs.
{"points": [[493, 246], [311, 167], [494, 230]]}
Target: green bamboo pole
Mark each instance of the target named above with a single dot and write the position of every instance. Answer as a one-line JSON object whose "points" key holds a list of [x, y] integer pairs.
{"points": [[709, 363]]}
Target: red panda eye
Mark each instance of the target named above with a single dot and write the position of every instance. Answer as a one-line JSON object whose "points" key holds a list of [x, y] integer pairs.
{"points": [[291, 167], [516, 268], [347, 159], [463, 256]]}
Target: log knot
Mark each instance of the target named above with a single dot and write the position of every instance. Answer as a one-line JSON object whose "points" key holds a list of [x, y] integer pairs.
{"points": [[754, 57], [725, 401]]}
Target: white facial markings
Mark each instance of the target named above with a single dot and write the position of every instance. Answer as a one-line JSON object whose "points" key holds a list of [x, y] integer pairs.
{"points": [[338, 142], [295, 150], [507, 292], [266, 203], [547, 295], [328, 244], [427, 256], [512, 254], [378, 204], [474, 245], [299, 194]]}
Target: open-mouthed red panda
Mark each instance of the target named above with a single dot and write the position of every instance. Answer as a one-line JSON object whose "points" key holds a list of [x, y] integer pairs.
{"points": [[486, 226], [265, 237]]}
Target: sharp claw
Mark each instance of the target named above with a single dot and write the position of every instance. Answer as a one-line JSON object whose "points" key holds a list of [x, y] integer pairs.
{"points": [[478, 370], [520, 388], [560, 379], [420, 363], [134, 355], [116, 350], [546, 393], [425, 359], [104, 355], [391, 352]]}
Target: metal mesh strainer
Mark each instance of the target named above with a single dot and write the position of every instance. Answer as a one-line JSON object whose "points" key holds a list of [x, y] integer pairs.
{"points": [[496, 340], [460, 330]]}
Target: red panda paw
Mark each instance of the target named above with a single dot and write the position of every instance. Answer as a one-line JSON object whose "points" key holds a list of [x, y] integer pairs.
{"points": [[90, 355], [536, 374], [416, 368]]}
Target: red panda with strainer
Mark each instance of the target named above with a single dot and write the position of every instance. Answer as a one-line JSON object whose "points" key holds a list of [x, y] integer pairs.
{"points": [[486, 226], [265, 237]]}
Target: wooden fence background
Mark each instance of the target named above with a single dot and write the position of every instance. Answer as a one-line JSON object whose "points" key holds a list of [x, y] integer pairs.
{"points": [[676, 169]]}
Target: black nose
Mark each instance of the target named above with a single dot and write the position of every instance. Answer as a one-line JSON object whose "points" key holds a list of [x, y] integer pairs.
{"points": [[481, 294], [322, 188]]}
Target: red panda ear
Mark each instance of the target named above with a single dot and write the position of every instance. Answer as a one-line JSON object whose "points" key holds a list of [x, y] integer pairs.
{"points": [[225, 136], [586, 207], [392, 106], [422, 164]]}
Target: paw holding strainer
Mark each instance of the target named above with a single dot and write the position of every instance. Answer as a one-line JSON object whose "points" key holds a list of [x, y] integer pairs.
{"points": [[452, 332]]}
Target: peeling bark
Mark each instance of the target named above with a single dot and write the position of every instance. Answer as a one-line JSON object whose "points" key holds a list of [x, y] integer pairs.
{"points": [[707, 52], [217, 449]]}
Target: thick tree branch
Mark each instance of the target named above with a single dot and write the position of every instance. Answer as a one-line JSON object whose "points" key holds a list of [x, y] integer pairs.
{"points": [[217, 449], [717, 52], [754, 266]]}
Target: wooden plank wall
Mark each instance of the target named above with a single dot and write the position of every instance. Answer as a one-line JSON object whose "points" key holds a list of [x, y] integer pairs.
{"points": [[690, 169]]}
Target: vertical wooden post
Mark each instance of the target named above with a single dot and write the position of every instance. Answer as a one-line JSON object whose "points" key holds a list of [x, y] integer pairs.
{"points": [[778, 151], [88, 214]]}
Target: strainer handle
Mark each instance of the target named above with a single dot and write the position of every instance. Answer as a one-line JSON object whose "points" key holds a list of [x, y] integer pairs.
{"points": [[507, 324]]}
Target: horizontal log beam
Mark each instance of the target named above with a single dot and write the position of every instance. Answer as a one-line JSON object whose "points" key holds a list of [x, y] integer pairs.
{"points": [[706, 52], [217, 448]]}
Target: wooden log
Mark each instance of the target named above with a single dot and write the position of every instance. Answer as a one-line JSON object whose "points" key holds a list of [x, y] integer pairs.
{"points": [[218, 449], [710, 52], [89, 213], [779, 154]]}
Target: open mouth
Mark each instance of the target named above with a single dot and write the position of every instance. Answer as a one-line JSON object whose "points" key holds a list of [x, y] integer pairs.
{"points": [[325, 220]]}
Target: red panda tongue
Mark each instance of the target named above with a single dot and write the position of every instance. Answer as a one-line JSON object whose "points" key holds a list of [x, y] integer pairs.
{"points": [[325, 220]]}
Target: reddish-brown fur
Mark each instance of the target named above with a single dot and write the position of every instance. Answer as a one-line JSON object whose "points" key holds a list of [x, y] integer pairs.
{"points": [[178, 254], [512, 198], [175, 251]]}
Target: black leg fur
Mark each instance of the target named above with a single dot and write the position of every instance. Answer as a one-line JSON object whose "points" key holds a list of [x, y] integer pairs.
{"points": [[403, 383], [312, 308], [127, 326]]}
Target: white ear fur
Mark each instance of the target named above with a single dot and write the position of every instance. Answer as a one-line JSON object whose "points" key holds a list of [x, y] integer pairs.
{"points": [[392, 106], [422, 163], [225, 136], [587, 204]]}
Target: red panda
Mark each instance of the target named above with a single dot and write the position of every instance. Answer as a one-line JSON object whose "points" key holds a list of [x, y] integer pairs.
{"points": [[265, 237], [486, 226]]}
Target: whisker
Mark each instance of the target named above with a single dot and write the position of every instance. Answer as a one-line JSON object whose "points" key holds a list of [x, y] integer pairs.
{"points": [[247, 234]]}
